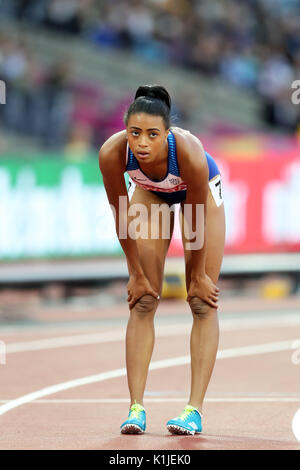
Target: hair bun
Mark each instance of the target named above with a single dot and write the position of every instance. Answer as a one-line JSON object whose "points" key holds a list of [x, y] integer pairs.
{"points": [[154, 91]]}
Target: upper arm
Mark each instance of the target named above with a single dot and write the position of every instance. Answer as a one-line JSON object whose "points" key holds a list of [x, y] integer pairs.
{"points": [[193, 167], [112, 166]]}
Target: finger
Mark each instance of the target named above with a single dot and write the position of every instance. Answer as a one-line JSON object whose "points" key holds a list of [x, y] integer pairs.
{"points": [[212, 303], [132, 303], [134, 299], [214, 298], [214, 294], [154, 294]]}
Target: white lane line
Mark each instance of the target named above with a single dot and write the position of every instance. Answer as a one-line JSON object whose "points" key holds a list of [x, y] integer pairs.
{"points": [[260, 320], [161, 331], [65, 341], [176, 361], [90, 338], [168, 400]]}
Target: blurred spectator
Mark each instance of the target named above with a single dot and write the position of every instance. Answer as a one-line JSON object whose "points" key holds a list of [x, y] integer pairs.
{"points": [[56, 104], [31, 10], [275, 79], [240, 68], [38, 100], [21, 73], [108, 27], [204, 54], [64, 16], [79, 145]]}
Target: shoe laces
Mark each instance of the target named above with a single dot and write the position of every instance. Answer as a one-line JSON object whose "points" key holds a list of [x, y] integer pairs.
{"points": [[135, 411], [186, 413]]}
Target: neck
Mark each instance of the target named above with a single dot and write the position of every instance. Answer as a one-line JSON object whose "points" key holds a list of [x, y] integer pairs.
{"points": [[160, 159], [158, 168]]}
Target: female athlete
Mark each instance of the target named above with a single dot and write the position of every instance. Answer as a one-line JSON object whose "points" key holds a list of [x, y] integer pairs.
{"points": [[167, 165]]}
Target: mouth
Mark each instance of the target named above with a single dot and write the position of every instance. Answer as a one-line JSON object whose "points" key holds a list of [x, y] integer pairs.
{"points": [[143, 154]]}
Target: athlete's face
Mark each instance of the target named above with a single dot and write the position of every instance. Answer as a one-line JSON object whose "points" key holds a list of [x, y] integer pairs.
{"points": [[147, 136]]}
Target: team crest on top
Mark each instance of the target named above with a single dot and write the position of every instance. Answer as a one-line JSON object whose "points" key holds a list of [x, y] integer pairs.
{"points": [[174, 180]]}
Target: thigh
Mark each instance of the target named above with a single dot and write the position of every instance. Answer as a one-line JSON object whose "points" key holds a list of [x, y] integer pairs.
{"points": [[215, 241], [153, 222]]}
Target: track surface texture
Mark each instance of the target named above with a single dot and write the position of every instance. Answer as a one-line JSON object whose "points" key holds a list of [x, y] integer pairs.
{"points": [[64, 386]]}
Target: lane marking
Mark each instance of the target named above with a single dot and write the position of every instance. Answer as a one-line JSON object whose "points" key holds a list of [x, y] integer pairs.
{"points": [[161, 331], [65, 341], [167, 400], [176, 361], [260, 319]]}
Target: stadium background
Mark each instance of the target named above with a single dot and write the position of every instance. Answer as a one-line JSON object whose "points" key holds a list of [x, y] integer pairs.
{"points": [[71, 68]]}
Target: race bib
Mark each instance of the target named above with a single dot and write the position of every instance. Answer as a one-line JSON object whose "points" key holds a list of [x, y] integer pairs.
{"points": [[216, 189]]}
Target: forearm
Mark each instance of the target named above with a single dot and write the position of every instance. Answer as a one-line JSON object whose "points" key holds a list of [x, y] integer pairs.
{"points": [[194, 233], [198, 258], [130, 250], [119, 203], [128, 243]]}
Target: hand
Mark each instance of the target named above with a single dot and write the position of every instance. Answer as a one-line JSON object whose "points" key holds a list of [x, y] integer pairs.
{"points": [[205, 289], [138, 286]]}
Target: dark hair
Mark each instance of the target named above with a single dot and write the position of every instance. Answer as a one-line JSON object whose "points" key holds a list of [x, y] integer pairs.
{"points": [[151, 99]]}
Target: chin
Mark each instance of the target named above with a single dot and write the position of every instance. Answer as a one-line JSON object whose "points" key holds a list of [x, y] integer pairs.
{"points": [[147, 158]]}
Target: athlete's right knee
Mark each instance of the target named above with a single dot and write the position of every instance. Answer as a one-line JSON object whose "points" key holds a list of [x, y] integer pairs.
{"points": [[145, 306]]}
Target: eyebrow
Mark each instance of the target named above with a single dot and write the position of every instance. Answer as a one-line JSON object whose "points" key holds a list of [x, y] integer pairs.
{"points": [[150, 129]]}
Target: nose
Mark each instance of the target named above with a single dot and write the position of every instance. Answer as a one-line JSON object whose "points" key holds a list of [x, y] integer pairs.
{"points": [[143, 142]]}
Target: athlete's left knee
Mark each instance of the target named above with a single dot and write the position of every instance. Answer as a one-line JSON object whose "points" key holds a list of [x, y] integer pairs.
{"points": [[199, 308]]}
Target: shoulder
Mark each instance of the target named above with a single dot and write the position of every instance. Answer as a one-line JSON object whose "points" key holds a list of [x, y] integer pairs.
{"points": [[186, 141], [190, 151], [113, 151]]}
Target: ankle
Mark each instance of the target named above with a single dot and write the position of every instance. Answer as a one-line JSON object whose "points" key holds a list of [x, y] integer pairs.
{"points": [[196, 406], [137, 402]]}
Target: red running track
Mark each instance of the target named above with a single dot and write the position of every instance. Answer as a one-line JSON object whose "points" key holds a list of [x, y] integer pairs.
{"points": [[250, 403]]}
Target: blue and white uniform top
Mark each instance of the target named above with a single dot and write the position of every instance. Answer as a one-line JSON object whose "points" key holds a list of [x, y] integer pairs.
{"points": [[170, 183], [171, 188]]}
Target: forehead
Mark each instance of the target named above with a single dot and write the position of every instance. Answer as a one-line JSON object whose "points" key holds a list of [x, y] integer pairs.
{"points": [[146, 121]]}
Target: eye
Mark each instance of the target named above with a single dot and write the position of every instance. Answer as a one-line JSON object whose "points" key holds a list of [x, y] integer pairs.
{"points": [[153, 134], [134, 133]]}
